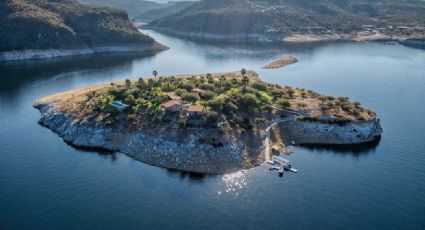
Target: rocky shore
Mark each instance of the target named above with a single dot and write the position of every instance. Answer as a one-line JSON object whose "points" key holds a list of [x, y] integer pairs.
{"points": [[305, 132], [193, 150], [54, 53]]}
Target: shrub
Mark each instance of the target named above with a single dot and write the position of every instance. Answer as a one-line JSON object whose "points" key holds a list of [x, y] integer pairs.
{"points": [[208, 95], [251, 90], [264, 97], [190, 97], [291, 92], [180, 92], [207, 86], [259, 86], [216, 104], [186, 85], [249, 102], [284, 103], [230, 107], [211, 117]]}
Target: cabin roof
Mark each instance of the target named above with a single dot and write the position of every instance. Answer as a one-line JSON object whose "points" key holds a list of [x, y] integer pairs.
{"points": [[173, 96], [169, 104], [195, 108]]}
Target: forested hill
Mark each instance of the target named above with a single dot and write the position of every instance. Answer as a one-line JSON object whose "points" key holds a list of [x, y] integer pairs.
{"points": [[291, 16], [55, 24]]}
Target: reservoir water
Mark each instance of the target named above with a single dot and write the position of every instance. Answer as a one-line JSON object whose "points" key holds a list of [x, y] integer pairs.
{"points": [[47, 184]]}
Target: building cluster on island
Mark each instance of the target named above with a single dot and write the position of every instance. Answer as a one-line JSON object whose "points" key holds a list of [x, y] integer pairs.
{"points": [[174, 105]]}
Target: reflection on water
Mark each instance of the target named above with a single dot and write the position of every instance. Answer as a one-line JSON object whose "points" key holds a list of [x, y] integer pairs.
{"points": [[355, 149], [234, 183], [193, 177], [16, 74]]}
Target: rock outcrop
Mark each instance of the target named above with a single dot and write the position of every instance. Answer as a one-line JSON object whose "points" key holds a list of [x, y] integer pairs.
{"points": [[193, 150]]}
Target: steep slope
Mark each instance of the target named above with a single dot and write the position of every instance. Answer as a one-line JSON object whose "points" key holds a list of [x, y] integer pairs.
{"points": [[171, 7], [285, 17], [64, 25]]}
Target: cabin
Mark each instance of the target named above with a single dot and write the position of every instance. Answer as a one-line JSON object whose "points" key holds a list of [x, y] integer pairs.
{"points": [[171, 106], [173, 96], [118, 105], [195, 111]]}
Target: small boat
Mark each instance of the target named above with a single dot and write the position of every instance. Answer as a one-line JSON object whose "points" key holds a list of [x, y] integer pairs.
{"points": [[270, 162]]}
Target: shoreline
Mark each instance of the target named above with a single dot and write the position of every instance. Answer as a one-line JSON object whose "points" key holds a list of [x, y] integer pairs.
{"points": [[413, 42], [57, 53]]}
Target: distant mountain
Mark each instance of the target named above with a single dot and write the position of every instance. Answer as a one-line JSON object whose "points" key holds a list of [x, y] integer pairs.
{"points": [[134, 7], [169, 8], [286, 17], [64, 25]]}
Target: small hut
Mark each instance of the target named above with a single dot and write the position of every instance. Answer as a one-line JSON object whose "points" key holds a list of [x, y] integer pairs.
{"points": [[171, 106]]}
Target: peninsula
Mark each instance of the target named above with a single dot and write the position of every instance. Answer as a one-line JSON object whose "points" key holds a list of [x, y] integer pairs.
{"points": [[208, 123], [37, 29]]}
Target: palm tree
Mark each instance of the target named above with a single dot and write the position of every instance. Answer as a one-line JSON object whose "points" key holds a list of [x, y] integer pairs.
{"points": [[155, 73], [243, 72]]}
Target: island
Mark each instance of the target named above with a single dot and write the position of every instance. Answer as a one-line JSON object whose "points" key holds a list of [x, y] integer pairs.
{"points": [[205, 123], [281, 62], [46, 29]]}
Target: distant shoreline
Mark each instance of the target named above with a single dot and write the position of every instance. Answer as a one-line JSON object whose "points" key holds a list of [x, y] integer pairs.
{"points": [[35, 54], [294, 38]]}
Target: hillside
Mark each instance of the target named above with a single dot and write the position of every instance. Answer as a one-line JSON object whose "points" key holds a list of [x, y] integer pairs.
{"points": [[134, 7], [281, 18], [169, 8], [48, 24]]}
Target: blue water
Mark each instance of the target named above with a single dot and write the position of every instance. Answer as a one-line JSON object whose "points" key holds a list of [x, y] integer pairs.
{"points": [[46, 184]]}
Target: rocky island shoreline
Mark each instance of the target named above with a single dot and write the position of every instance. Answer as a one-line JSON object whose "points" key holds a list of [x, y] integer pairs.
{"points": [[213, 123]]}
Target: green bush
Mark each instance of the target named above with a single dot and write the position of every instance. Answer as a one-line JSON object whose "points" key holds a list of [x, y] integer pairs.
{"points": [[249, 102], [208, 95], [211, 118], [186, 85], [259, 85], [207, 86], [283, 103], [190, 97]]}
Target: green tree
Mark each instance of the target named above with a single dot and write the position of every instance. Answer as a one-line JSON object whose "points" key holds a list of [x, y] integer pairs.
{"points": [[249, 102], [243, 72], [190, 97], [208, 95], [155, 73], [127, 83]]}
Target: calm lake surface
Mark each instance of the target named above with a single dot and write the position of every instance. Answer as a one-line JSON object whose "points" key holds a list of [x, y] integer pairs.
{"points": [[47, 184]]}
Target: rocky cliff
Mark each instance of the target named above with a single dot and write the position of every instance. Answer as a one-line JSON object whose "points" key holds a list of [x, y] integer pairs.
{"points": [[305, 132], [193, 150], [48, 28]]}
